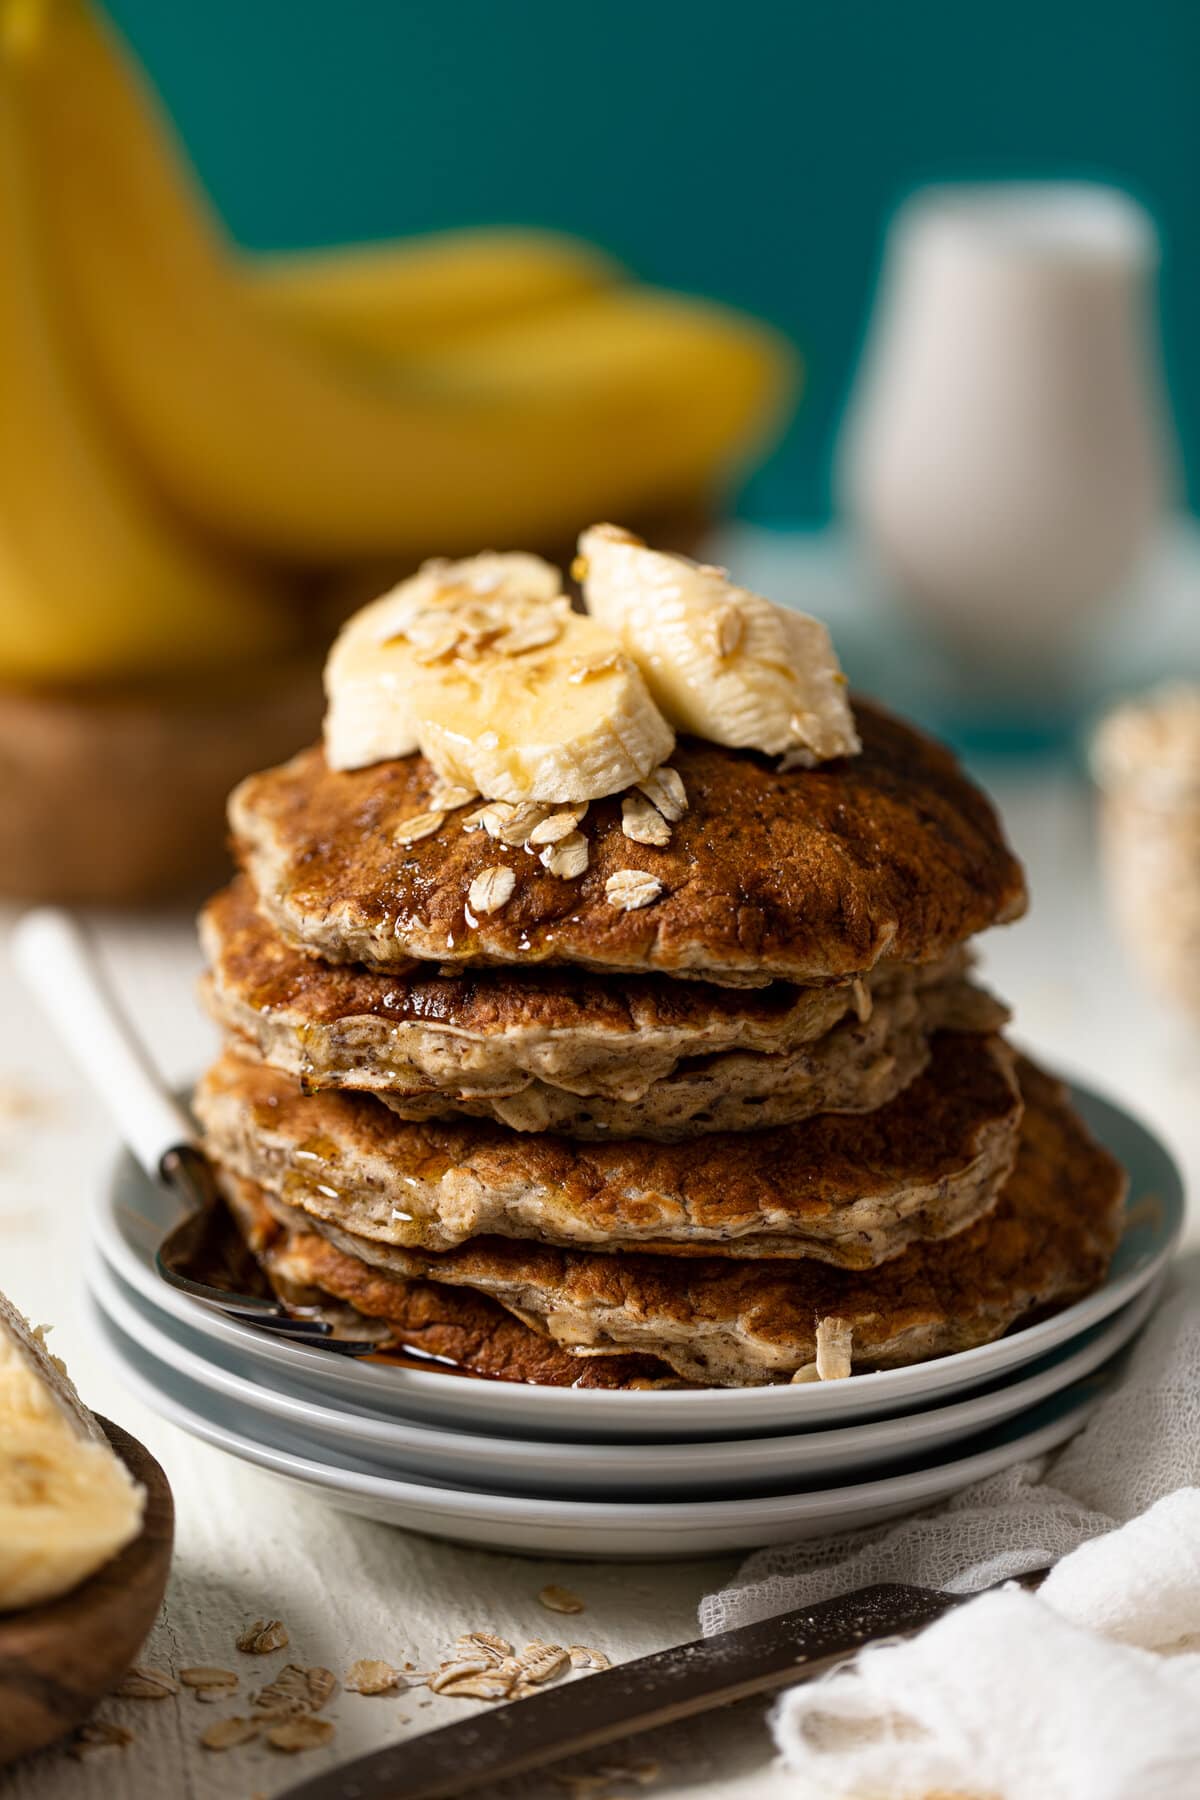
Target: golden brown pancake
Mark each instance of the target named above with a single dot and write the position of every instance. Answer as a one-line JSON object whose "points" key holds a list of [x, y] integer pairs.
{"points": [[566, 1050], [727, 1323], [852, 1190], [806, 876], [419, 1318]]}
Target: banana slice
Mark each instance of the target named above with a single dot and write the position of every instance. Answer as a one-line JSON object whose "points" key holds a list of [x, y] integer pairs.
{"points": [[721, 662], [483, 667], [67, 1503], [382, 657]]}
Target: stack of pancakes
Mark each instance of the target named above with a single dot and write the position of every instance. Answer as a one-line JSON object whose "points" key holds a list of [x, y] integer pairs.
{"points": [[760, 1126]]}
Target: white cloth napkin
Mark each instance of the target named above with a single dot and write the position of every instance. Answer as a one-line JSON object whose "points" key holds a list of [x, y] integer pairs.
{"points": [[1089, 1690]]}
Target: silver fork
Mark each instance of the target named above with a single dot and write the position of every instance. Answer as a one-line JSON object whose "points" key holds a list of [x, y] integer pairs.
{"points": [[59, 964]]}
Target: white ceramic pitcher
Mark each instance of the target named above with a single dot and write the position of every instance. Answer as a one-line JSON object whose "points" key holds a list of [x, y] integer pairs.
{"points": [[1005, 453]]}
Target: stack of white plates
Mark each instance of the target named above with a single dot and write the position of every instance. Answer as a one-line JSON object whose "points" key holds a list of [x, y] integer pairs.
{"points": [[592, 1472]]}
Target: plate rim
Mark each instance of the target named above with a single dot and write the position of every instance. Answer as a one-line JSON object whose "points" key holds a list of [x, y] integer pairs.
{"points": [[103, 1282], [564, 1514]]}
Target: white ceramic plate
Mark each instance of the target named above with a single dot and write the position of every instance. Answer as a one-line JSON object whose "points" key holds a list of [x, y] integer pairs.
{"points": [[133, 1213], [615, 1471], [564, 1528]]}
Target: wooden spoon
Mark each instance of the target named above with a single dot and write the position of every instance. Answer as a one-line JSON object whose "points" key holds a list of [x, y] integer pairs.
{"points": [[59, 1659]]}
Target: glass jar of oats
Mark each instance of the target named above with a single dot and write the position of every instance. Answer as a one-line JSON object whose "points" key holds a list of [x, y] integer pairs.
{"points": [[1146, 761]]}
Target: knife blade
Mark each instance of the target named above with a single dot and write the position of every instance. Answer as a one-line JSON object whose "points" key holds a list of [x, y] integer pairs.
{"points": [[635, 1696]]}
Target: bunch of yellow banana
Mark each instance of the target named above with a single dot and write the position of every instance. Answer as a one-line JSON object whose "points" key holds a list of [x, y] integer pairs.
{"points": [[185, 430]]}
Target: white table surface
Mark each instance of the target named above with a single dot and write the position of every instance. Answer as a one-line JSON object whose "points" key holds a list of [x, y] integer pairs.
{"points": [[247, 1547]]}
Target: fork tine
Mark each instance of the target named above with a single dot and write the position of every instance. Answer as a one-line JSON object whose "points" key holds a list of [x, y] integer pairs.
{"points": [[339, 1346], [281, 1323], [251, 1305], [302, 1331], [349, 1346], [266, 1315]]}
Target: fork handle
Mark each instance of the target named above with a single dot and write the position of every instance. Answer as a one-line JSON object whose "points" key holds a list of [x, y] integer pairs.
{"points": [[60, 966]]}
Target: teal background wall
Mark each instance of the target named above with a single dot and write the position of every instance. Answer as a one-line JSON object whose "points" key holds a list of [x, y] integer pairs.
{"points": [[749, 149]]}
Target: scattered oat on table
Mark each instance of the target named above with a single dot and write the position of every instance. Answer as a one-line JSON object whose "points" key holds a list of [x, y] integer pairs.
{"points": [[451, 1673], [367, 1676], [296, 1690], [96, 1738], [146, 1684], [204, 1679], [322, 1685], [483, 1643], [542, 1662], [560, 1599], [485, 1684], [228, 1734], [264, 1636], [302, 1733], [484, 1666]]}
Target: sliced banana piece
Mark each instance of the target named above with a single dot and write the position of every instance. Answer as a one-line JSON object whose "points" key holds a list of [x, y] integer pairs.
{"points": [[721, 662], [381, 656], [568, 723], [483, 667], [67, 1502]]}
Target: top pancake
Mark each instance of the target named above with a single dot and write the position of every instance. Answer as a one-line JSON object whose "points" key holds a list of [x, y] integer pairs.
{"points": [[807, 876]]}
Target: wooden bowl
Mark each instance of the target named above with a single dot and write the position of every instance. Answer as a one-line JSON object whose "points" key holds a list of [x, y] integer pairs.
{"points": [[58, 1660], [117, 796]]}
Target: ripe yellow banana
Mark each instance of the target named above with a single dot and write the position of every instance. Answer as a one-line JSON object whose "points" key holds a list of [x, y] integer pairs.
{"points": [[380, 302], [95, 578], [614, 404]]}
